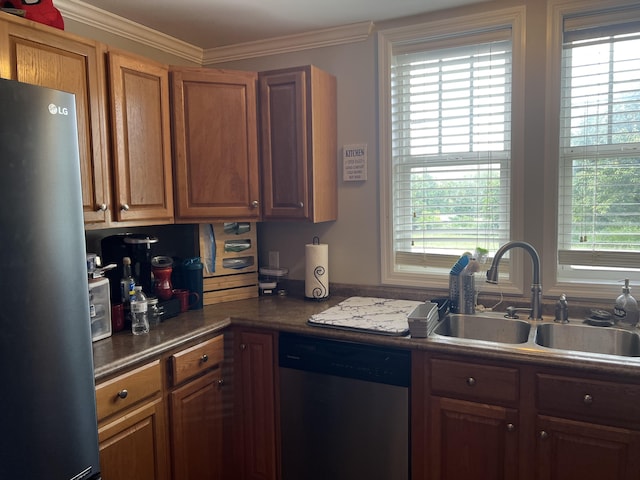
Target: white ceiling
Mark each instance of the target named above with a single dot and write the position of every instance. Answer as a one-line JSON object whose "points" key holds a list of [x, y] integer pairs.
{"points": [[215, 23]]}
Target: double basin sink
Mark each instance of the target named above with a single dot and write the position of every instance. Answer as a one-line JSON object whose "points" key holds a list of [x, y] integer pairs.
{"points": [[544, 336]]}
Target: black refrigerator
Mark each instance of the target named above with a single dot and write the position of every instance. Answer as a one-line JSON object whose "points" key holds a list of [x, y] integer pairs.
{"points": [[48, 427]]}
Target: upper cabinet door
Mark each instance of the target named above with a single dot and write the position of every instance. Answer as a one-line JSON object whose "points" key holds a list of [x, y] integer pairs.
{"points": [[298, 133], [215, 145], [141, 139], [283, 114], [50, 58]]}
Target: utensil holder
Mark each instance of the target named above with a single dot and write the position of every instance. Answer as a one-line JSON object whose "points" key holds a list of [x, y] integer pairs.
{"points": [[462, 294]]}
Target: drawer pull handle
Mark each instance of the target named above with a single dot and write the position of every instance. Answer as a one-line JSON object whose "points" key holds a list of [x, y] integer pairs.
{"points": [[544, 435], [588, 399], [204, 358], [471, 381], [510, 427], [123, 393]]}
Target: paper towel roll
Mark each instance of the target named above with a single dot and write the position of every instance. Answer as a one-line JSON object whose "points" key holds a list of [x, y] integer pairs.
{"points": [[316, 278]]}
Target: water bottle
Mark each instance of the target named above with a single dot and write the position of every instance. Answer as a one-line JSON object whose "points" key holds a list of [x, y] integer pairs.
{"points": [[139, 311], [127, 282]]}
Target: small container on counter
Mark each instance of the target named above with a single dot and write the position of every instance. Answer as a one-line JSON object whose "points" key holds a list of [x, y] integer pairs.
{"points": [[99, 308], [273, 281], [155, 311]]}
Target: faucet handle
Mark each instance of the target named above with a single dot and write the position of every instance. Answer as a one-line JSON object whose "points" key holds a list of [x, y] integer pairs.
{"points": [[511, 312], [562, 310]]}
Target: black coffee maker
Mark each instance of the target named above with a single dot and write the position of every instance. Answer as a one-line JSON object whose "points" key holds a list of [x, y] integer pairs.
{"points": [[138, 247]]}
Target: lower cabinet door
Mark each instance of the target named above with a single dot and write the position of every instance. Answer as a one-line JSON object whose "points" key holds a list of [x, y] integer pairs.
{"points": [[254, 390], [471, 440], [197, 429], [133, 446], [572, 450]]}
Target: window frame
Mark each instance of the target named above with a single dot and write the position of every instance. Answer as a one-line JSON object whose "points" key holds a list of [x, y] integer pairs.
{"points": [[444, 31], [609, 285]]}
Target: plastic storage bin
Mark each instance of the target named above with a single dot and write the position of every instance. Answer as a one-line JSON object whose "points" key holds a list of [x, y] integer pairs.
{"points": [[99, 308]]}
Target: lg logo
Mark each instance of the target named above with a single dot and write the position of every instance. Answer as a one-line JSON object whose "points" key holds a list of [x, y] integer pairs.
{"points": [[56, 110]]}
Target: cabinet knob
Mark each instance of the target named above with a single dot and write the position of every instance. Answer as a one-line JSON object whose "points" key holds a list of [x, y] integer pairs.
{"points": [[510, 427], [471, 381], [243, 346], [220, 383], [123, 393], [544, 435], [125, 207], [255, 204], [102, 207], [588, 399], [300, 204], [204, 358]]}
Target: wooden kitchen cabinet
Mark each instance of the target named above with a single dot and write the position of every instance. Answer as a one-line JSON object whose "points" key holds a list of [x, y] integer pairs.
{"points": [[487, 420], [215, 144], [133, 117], [298, 134], [587, 428], [472, 434], [141, 139], [131, 425], [45, 56], [197, 412], [571, 450], [255, 429], [472, 440]]}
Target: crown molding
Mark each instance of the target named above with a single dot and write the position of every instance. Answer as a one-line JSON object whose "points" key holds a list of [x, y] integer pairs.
{"points": [[354, 32], [102, 20], [99, 19]]}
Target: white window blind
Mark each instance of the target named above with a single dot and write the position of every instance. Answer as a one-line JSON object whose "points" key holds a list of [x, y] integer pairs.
{"points": [[451, 147], [599, 187]]}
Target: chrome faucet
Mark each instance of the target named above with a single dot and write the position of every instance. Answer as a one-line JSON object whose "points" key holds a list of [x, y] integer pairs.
{"points": [[536, 289]]}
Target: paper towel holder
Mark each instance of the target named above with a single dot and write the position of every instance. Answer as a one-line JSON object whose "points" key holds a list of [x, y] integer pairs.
{"points": [[316, 289]]}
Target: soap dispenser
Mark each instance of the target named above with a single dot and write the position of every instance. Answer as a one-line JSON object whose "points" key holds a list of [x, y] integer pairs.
{"points": [[626, 307]]}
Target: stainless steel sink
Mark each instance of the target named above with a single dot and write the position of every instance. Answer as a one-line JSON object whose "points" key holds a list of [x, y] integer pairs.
{"points": [[584, 338], [490, 328]]}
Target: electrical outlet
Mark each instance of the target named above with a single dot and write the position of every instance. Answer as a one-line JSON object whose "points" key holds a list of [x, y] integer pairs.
{"points": [[274, 259]]}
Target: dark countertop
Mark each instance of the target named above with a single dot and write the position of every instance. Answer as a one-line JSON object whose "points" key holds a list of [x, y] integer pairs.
{"points": [[123, 350]]}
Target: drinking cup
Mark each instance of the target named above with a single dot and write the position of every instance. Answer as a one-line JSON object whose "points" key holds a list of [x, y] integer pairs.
{"points": [[187, 299]]}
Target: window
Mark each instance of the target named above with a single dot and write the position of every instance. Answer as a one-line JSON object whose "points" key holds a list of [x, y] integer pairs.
{"points": [[599, 154], [448, 123]]}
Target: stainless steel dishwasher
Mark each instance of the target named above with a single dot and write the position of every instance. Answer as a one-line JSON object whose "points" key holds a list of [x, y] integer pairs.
{"points": [[344, 410]]}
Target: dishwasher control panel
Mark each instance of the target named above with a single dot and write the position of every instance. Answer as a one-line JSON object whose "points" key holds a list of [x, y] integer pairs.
{"points": [[345, 359]]}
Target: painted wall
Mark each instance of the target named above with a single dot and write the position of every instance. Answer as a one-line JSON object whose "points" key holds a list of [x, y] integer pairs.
{"points": [[354, 239], [117, 41]]}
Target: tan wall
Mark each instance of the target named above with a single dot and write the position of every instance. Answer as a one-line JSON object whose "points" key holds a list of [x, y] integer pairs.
{"points": [[354, 239], [124, 43]]}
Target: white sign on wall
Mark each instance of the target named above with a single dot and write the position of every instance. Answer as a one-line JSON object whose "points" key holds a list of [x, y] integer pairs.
{"points": [[354, 162]]}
